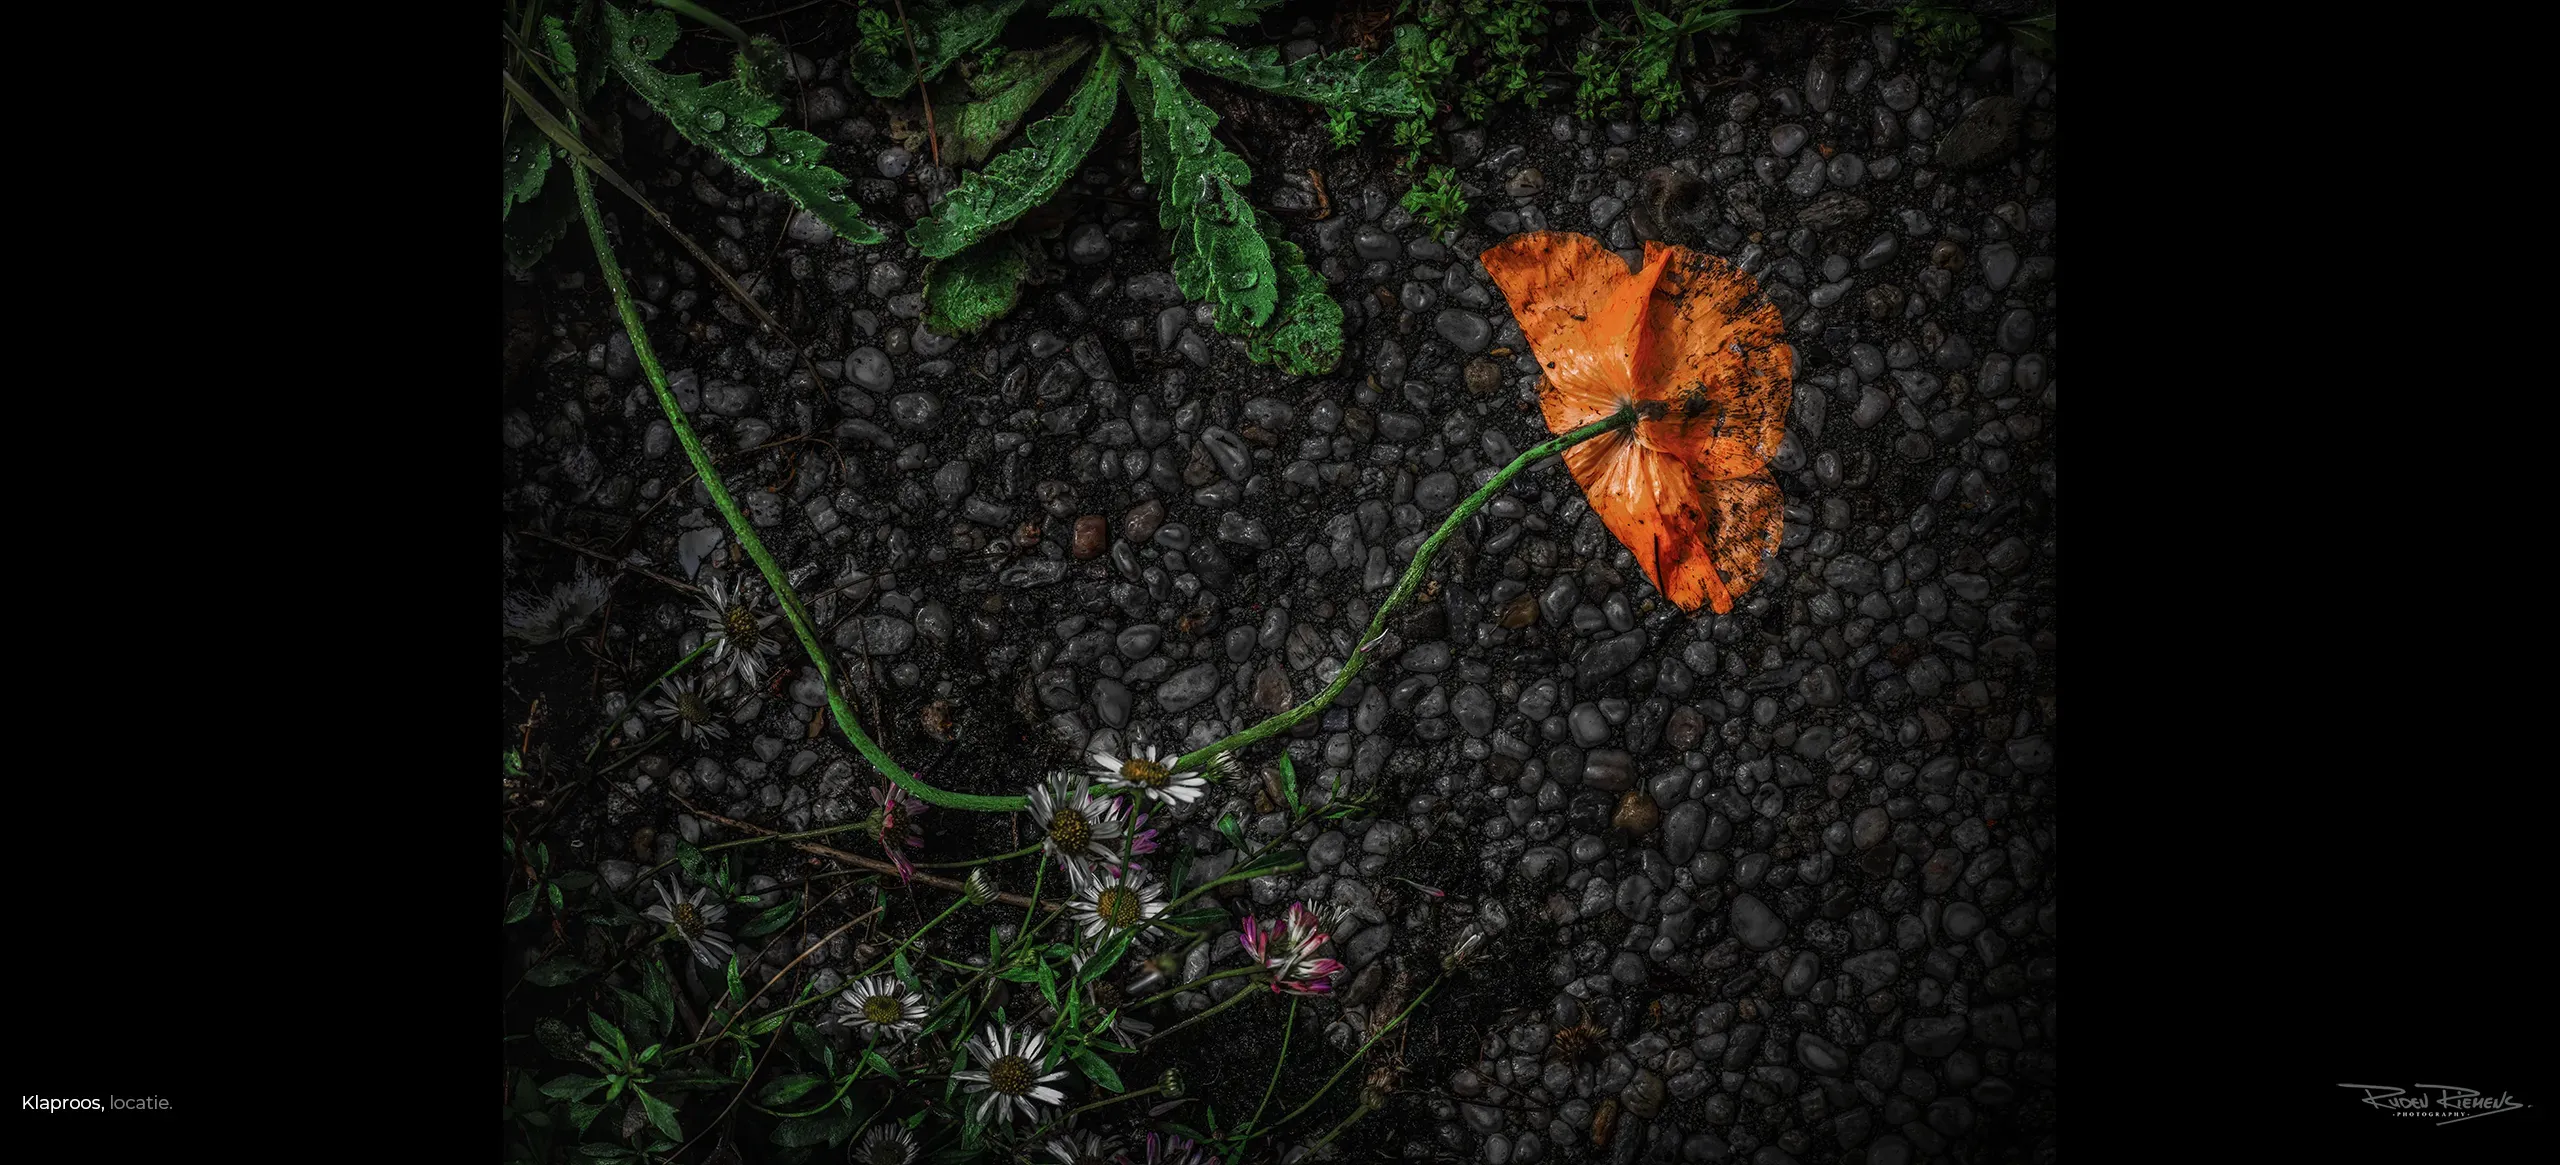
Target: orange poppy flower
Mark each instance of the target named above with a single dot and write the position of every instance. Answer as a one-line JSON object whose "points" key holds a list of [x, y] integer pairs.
{"points": [[1691, 344]]}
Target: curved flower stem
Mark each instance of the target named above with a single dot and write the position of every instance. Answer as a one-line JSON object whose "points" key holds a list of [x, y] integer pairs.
{"points": [[1405, 587], [1336, 1078], [1072, 1113], [903, 943], [745, 533], [1196, 984], [1287, 1028], [1214, 1009], [1327, 1139]]}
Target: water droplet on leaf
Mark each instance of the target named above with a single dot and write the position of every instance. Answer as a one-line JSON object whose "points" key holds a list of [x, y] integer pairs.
{"points": [[714, 120]]}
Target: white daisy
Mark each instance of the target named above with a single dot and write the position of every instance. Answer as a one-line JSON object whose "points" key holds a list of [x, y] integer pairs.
{"points": [[1078, 827], [690, 917], [689, 707], [880, 1006], [1008, 1073], [888, 1144], [1107, 904], [1149, 773], [743, 638], [1080, 1149]]}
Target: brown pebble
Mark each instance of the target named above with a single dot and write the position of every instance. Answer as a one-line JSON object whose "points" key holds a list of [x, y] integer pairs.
{"points": [[1091, 533], [1520, 612], [1484, 377], [1637, 814]]}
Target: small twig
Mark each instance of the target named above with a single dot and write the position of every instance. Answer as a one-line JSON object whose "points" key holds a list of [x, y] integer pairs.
{"points": [[932, 136]]}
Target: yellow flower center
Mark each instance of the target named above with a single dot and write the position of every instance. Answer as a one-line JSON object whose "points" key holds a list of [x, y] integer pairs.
{"points": [[1118, 906], [883, 1010], [1152, 774], [688, 920], [1069, 830], [742, 625], [689, 706], [1010, 1075]]}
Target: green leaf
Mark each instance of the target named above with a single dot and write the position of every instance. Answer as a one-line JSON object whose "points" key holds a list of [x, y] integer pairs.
{"points": [[527, 162], [1197, 918], [608, 1033], [771, 920], [729, 119], [533, 230], [661, 992], [582, 1114], [826, 1128], [876, 1062], [1233, 831], [1224, 14], [906, 971], [572, 1087], [1345, 80], [661, 1114], [943, 33], [1218, 253], [768, 1023], [689, 860], [574, 65], [1004, 95], [558, 902], [558, 1038], [520, 907], [974, 288], [1269, 861], [737, 985], [1304, 336], [1020, 180], [678, 1078], [1289, 778], [1101, 963], [555, 972], [1096, 1070], [788, 1089]]}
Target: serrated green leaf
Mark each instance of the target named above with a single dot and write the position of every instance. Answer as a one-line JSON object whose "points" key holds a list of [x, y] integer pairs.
{"points": [[571, 64], [788, 1089], [1020, 180], [1218, 253], [763, 66], [1096, 1070], [1352, 80], [533, 230], [1224, 14], [771, 920], [520, 907], [1303, 337], [943, 33], [572, 1087], [661, 1114], [1004, 95], [732, 120], [527, 162], [554, 972], [974, 288]]}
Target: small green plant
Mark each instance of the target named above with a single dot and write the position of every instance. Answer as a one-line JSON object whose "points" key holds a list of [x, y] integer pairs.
{"points": [[1437, 201], [1939, 33], [1602, 88], [1225, 251], [1643, 66], [1470, 55], [1343, 126]]}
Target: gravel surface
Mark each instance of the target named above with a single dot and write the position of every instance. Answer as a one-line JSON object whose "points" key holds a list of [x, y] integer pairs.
{"points": [[1773, 886]]}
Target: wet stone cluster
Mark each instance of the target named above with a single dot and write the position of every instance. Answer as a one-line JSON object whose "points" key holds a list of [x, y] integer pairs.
{"points": [[1771, 886]]}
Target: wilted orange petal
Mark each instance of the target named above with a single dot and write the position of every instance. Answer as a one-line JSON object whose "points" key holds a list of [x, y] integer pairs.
{"points": [[1650, 500], [1687, 492], [1709, 346], [1579, 306]]}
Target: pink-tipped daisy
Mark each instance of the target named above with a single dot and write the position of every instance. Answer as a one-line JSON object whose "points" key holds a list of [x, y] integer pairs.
{"points": [[1288, 951]]}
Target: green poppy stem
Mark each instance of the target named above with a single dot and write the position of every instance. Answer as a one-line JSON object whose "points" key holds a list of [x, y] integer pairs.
{"points": [[1405, 587], [745, 533]]}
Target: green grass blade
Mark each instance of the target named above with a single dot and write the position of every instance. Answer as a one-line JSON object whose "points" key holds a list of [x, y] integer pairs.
{"points": [[732, 121], [1019, 180]]}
